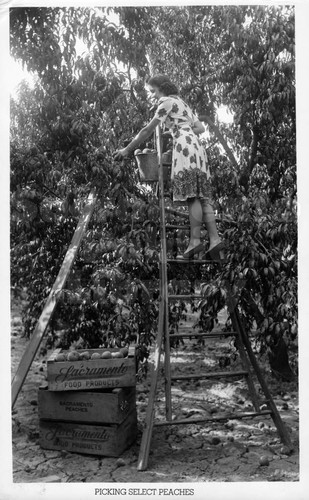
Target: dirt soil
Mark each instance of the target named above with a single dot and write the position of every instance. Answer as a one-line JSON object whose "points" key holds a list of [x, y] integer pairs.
{"points": [[234, 450]]}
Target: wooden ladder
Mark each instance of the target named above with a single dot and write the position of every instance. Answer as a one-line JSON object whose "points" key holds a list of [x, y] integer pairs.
{"points": [[52, 299], [250, 366]]}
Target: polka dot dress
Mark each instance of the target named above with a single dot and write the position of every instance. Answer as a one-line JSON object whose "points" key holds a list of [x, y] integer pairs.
{"points": [[190, 170]]}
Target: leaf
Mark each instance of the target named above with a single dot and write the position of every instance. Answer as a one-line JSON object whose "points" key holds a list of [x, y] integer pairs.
{"points": [[144, 288]]}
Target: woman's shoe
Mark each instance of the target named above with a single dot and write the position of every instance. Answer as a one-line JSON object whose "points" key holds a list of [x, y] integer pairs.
{"points": [[190, 253], [217, 252]]}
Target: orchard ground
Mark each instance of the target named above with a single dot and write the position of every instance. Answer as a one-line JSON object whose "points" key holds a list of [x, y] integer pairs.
{"points": [[236, 450]]}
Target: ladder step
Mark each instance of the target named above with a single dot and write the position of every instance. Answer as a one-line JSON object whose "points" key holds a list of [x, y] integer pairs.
{"points": [[239, 373], [216, 418], [209, 335], [177, 226], [185, 296], [180, 226], [193, 261]]}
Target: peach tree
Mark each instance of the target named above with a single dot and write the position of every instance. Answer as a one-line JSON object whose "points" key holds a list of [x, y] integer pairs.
{"points": [[89, 97]]}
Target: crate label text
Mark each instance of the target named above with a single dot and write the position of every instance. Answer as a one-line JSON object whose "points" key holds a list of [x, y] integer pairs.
{"points": [[71, 372]]}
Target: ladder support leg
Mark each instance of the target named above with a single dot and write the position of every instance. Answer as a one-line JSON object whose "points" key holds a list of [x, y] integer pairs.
{"points": [[245, 362], [162, 325], [150, 413], [53, 299], [282, 431], [167, 368]]}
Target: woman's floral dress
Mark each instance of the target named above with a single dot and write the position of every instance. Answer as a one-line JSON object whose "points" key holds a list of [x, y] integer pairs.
{"points": [[190, 169]]}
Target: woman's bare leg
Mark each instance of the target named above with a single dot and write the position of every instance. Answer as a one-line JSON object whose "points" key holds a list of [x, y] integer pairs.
{"points": [[195, 217], [209, 219]]}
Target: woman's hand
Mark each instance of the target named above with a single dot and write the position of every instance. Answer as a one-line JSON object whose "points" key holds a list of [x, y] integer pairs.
{"points": [[120, 154]]}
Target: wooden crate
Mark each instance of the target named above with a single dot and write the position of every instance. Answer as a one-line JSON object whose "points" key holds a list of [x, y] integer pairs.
{"points": [[108, 406], [105, 440], [91, 374]]}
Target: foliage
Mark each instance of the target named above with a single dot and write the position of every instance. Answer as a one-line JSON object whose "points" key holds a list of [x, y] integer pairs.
{"points": [[85, 104]]}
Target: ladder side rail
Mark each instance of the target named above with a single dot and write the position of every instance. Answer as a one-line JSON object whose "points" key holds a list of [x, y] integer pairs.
{"points": [[162, 324], [216, 418], [246, 364], [52, 299], [150, 412], [164, 283], [283, 433], [242, 352]]}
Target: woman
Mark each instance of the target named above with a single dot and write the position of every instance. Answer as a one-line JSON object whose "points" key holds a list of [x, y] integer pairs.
{"points": [[190, 170]]}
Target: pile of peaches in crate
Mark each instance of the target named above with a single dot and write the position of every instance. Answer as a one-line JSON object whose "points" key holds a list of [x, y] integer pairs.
{"points": [[76, 355]]}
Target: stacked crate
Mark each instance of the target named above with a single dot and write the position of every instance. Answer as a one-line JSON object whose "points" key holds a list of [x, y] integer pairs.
{"points": [[89, 405]]}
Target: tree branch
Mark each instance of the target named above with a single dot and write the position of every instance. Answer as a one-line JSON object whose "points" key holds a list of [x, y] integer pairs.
{"points": [[207, 119], [253, 149]]}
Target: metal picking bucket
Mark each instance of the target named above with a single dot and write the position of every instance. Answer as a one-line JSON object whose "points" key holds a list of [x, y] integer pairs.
{"points": [[148, 167]]}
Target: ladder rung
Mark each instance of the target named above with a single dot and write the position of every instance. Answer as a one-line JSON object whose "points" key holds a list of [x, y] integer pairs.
{"points": [[202, 334], [210, 375], [178, 226], [195, 261], [216, 418], [185, 296]]}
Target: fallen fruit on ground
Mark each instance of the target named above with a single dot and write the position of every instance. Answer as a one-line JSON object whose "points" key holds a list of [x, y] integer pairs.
{"points": [[285, 450], [215, 440], [264, 461]]}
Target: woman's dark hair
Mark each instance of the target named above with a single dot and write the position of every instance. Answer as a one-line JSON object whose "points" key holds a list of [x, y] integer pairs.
{"points": [[164, 84]]}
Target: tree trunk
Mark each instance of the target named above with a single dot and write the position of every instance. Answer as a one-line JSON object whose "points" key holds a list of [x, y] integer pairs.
{"points": [[279, 362], [207, 119], [253, 149]]}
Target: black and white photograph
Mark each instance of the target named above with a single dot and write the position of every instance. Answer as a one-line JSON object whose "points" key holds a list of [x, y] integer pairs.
{"points": [[153, 172]]}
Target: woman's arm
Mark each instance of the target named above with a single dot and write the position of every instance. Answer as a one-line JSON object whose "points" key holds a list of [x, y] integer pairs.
{"points": [[143, 134], [198, 127]]}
